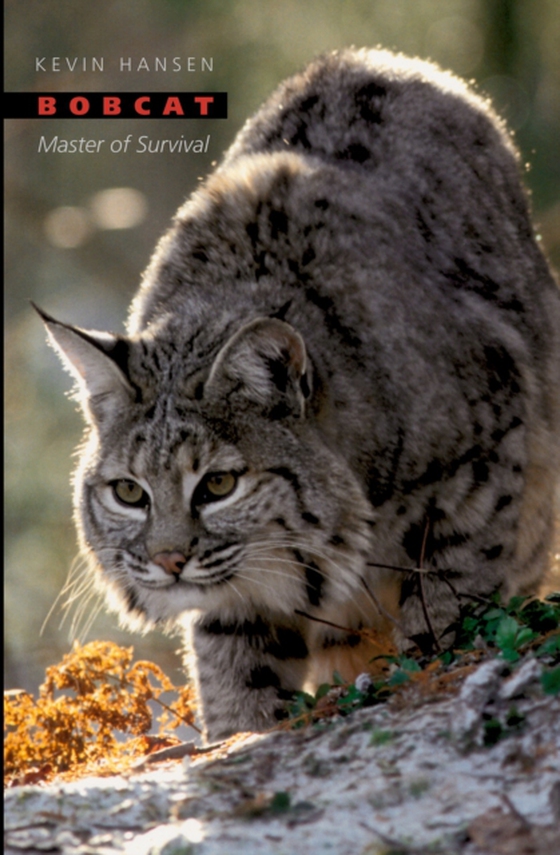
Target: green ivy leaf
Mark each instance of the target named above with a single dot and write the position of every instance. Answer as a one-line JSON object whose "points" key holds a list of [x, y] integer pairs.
{"points": [[506, 633], [409, 664], [323, 689], [398, 678], [493, 731], [381, 737], [550, 647], [550, 681], [280, 802], [510, 654], [493, 614], [515, 604]]}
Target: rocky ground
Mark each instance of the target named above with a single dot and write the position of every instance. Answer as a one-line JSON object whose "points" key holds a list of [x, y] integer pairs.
{"points": [[414, 775]]}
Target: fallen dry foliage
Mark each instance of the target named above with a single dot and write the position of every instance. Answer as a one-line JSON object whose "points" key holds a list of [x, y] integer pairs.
{"points": [[72, 728]]}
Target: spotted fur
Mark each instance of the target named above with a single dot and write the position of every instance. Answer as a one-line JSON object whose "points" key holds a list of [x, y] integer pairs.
{"points": [[343, 359]]}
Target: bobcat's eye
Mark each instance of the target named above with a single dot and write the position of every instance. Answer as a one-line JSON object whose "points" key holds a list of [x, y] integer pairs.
{"points": [[214, 486], [130, 493]]}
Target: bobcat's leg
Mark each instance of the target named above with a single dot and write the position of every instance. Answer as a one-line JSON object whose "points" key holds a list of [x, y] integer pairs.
{"points": [[245, 672]]}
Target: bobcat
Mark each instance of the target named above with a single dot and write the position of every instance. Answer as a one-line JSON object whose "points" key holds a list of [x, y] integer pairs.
{"points": [[338, 399]]}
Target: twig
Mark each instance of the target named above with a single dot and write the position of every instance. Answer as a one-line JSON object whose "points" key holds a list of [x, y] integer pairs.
{"points": [[383, 611], [513, 810], [173, 752], [327, 622], [421, 587], [484, 600], [399, 569], [102, 676], [396, 845]]}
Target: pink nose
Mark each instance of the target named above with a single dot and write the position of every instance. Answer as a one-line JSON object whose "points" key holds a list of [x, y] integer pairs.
{"points": [[171, 562]]}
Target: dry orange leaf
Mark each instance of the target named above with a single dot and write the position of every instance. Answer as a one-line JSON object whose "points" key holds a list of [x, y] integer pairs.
{"points": [[72, 727]]}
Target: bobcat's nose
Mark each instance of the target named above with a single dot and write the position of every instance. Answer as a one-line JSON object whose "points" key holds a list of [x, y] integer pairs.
{"points": [[171, 562]]}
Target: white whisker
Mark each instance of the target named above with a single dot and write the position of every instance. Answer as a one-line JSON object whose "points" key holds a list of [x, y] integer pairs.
{"points": [[232, 586], [76, 575]]}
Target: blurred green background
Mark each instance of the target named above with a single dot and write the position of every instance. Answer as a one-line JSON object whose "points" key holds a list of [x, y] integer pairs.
{"points": [[80, 228]]}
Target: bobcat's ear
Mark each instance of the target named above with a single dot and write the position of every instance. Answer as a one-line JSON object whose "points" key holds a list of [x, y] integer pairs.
{"points": [[97, 360], [264, 362]]}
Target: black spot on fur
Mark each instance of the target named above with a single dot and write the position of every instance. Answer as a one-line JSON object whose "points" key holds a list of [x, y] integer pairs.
{"points": [[337, 540], [421, 540], [314, 586], [281, 642], [285, 694], [368, 102], [412, 540], [350, 640], [431, 475], [499, 434], [356, 152], [308, 256], [332, 321], [503, 502], [282, 311], [254, 631], [493, 552], [261, 266], [323, 204], [287, 474], [300, 138], [289, 644], [132, 603], [310, 518], [465, 276], [502, 370], [262, 678], [480, 470], [423, 226], [200, 255], [278, 223], [310, 102], [313, 577], [252, 230], [297, 271]]}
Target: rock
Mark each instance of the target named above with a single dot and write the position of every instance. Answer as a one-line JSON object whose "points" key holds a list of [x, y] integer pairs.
{"points": [[416, 776]]}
